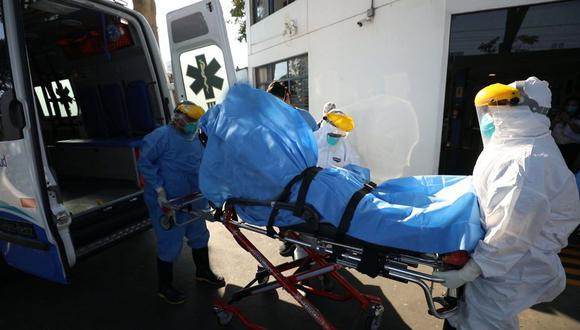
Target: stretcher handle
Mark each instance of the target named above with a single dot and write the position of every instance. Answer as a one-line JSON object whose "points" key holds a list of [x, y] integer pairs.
{"points": [[178, 203], [440, 313], [310, 215]]}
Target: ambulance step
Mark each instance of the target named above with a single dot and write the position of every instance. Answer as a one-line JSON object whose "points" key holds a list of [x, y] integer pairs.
{"points": [[114, 238]]}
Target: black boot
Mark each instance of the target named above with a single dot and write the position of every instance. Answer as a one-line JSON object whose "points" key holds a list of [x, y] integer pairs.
{"points": [[203, 270], [166, 289]]}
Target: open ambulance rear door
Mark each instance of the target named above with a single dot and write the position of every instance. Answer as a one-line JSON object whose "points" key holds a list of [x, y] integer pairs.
{"points": [[32, 238], [201, 57]]}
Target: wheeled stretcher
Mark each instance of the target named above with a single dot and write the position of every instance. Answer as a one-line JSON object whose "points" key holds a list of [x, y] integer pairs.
{"points": [[324, 257]]}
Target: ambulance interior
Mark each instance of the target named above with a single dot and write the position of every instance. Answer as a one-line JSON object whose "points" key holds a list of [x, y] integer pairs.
{"points": [[96, 94]]}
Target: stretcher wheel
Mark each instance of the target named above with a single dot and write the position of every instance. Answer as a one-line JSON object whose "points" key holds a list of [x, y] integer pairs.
{"points": [[223, 317], [327, 283], [261, 276], [264, 279], [374, 317]]}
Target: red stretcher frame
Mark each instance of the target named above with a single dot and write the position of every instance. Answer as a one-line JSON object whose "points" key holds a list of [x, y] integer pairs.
{"points": [[225, 310], [326, 263]]}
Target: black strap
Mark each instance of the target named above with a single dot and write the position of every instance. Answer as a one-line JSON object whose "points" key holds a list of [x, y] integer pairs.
{"points": [[349, 212], [370, 263], [309, 175], [283, 197]]}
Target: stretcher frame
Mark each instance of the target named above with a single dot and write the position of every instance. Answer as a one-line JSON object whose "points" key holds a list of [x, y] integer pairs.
{"points": [[183, 205], [322, 253]]}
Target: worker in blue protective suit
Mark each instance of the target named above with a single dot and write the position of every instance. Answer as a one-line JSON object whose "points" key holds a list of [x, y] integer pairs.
{"points": [[169, 162], [529, 205]]}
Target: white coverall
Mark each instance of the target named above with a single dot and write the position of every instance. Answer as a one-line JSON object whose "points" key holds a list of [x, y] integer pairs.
{"points": [[529, 201], [340, 154]]}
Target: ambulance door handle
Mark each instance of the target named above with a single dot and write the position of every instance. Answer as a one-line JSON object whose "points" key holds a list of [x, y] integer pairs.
{"points": [[16, 113]]}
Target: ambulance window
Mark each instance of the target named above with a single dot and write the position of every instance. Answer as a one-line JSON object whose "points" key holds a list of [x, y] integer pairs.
{"points": [[57, 99], [188, 27], [7, 130]]}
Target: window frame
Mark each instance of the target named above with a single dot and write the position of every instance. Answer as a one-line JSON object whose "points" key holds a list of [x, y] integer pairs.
{"points": [[270, 9], [287, 81]]}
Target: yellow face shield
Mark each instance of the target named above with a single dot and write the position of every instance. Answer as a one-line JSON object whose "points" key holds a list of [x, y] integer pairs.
{"points": [[497, 95], [340, 120], [191, 110]]}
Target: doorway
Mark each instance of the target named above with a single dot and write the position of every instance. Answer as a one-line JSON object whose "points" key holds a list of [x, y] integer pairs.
{"points": [[502, 46]]}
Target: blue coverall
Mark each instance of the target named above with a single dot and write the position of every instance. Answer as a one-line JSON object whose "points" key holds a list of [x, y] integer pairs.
{"points": [[171, 161]]}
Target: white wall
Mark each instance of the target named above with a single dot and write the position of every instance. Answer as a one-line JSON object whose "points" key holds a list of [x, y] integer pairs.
{"points": [[388, 74]]}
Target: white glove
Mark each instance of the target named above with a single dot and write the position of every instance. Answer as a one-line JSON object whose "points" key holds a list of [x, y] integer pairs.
{"points": [[161, 196], [456, 278]]}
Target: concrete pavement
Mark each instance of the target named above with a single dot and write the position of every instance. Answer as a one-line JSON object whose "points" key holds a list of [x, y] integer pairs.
{"points": [[117, 290]]}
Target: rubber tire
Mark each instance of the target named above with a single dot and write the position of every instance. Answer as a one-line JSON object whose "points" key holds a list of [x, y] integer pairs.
{"points": [[372, 321], [3, 269], [264, 279], [224, 318]]}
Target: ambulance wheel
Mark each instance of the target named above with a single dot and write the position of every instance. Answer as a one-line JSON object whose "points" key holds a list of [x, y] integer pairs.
{"points": [[374, 317], [223, 317]]}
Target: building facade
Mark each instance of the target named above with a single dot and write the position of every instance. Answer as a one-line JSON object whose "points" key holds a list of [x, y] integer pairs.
{"points": [[408, 70]]}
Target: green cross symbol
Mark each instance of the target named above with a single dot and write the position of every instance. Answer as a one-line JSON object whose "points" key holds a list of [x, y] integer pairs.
{"points": [[204, 77]]}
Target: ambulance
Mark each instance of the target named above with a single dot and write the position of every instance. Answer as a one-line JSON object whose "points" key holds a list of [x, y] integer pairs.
{"points": [[81, 83]]}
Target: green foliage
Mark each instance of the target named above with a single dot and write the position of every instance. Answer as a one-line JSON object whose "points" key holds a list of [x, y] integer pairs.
{"points": [[238, 14]]}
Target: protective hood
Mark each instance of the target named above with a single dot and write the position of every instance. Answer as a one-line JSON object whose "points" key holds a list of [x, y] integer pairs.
{"points": [[535, 93], [518, 121], [328, 106]]}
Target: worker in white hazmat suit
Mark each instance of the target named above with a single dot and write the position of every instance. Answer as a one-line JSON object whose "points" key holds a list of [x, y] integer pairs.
{"points": [[334, 149], [529, 205]]}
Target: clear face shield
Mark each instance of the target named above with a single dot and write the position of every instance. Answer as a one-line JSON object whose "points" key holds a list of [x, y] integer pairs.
{"points": [[490, 99], [185, 124], [486, 125]]}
